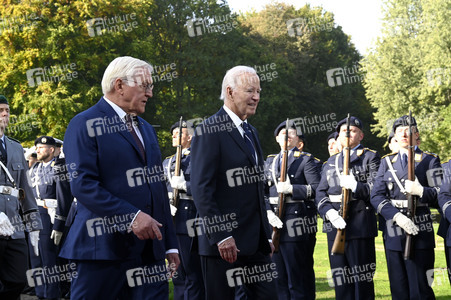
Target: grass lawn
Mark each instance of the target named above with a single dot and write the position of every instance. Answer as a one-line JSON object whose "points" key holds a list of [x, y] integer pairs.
{"points": [[441, 284]]}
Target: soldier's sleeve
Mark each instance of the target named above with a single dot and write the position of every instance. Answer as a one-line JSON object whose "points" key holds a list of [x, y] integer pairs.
{"points": [[444, 196], [365, 185], [312, 176], [380, 196], [63, 196], [431, 187], [268, 181], [322, 197]]}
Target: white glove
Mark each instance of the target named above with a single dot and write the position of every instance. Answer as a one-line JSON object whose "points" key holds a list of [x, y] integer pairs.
{"points": [[414, 187], [348, 182], [273, 219], [173, 209], [56, 236], [405, 223], [178, 182], [336, 220], [6, 228], [34, 239], [52, 212], [284, 187]]}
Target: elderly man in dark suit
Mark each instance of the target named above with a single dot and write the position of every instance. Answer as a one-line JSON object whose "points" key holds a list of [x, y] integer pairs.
{"points": [[227, 183], [123, 230]]}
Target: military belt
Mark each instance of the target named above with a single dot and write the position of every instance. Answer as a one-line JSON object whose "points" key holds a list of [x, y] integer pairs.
{"points": [[288, 199], [404, 203], [52, 203], [338, 198], [184, 196], [9, 190]]}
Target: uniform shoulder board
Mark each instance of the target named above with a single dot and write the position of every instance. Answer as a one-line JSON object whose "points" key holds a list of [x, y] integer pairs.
{"points": [[430, 153], [170, 156], [335, 154], [305, 153], [298, 153], [389, 154], [271, 155], [368, 149], [13, 139]]}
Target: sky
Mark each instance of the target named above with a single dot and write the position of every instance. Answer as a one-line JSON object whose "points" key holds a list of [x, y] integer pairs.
{"points": [[361, 19]]}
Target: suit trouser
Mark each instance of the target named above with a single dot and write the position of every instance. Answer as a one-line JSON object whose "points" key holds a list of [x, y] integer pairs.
{"points": [[352, 273], [222, 278], [296, 276], [178, 282], [122, 279], [13, 267], [194, 283], [48, 255], [408, 278]]}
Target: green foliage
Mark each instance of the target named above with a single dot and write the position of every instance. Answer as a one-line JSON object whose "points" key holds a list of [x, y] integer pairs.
{"points": [[410, 70]]}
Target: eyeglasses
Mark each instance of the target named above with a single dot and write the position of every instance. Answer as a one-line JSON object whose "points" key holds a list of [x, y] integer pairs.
{"points": [[147, 87]]}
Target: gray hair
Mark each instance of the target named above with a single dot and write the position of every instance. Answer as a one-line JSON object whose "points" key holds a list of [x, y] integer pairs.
{"points": [[231, 78], [123, 67]]}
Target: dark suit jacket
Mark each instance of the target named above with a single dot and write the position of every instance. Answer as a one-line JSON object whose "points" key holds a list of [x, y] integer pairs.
{"points": [[228, 188], [113, 183]]}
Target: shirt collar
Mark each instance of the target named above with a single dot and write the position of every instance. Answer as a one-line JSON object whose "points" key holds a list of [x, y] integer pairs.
{"points": [[119, 111], [235, 119]]}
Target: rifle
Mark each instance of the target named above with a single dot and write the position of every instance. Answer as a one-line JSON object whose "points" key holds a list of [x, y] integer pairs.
{"points": [[178, 161], [280, 210], [411, 199], [339, 243]]}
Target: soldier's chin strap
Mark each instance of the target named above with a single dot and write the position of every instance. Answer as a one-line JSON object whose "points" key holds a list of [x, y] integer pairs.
{"points": [[8, 174]]}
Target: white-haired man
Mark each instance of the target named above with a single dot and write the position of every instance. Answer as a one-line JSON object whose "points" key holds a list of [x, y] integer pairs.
{"points": [[123, 229]]}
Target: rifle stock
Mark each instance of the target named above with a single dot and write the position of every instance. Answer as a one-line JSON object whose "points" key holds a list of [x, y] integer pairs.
{"points": [[280, 211], [338, 246], [178, 161], [411, 199]]}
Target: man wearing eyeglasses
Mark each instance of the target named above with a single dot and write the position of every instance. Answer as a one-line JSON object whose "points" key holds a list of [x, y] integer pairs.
{"points": [[123, 231]]}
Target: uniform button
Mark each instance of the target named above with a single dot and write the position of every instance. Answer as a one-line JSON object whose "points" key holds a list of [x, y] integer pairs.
{"points": [[186, 207]]}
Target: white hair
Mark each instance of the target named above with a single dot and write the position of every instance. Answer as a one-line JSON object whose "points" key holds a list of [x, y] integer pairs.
{"points": [[122, 67], [232, 77]]}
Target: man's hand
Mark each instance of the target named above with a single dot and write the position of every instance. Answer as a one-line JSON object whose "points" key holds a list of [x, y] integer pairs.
{"points": [[336, 220], [145, 227], [414, 187], [228, 250], [52, 212], [6, 228], [348, 182], [284, 187], [271, 245], [174, 262], [56, 236], [34, 240], [273, 219], [405, 223], [178, 182], [173, 210]]}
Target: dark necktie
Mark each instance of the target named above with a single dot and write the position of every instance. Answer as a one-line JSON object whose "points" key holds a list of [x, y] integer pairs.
{"points": [[129, 121], [404, 161], [248, 139], [2, 152]]}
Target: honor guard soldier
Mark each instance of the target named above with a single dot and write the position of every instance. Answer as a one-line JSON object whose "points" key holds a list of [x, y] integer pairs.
{"points": [[189, 282], [407, 275], [298, 227], [351, 271], [444, 201], [53, 196], [15, 195]]}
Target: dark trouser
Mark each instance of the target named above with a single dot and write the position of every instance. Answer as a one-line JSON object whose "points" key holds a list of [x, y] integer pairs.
{"points": [[256, 274], [194, 283], [178, 281], [352, 273], [119, 280], [448, 261], [408, 278], [13, 267], [48, 255], [296, 277]]}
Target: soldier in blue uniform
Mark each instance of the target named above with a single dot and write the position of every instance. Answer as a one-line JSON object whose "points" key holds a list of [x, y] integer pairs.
{"points": [[408, 278], [15, 195], [53, 196], [351, 273], [189, 282], [444, 201], [294, 261]]}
